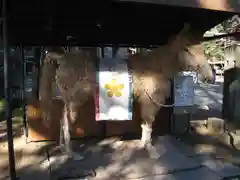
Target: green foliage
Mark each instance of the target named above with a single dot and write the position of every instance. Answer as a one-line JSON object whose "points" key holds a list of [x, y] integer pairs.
{"points": [[1, 105], [214, 49]]}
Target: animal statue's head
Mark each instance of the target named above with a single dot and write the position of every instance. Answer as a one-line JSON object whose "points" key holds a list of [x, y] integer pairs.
{"points": [[48, 73], [54, 55], [191, 53]]}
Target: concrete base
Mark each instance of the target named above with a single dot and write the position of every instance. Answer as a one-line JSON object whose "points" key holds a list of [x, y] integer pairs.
{"points": [[216, 124], [124, 160]]}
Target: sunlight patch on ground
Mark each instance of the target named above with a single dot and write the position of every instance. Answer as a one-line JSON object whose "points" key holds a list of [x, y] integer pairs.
{"points": [[205, 148], [25, 154]]}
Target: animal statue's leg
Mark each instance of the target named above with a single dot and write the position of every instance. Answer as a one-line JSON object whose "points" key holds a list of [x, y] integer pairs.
{"points": [[66, 134], [148, 112], [61, 137], [146, 139], [146, 134], [73, 108]]}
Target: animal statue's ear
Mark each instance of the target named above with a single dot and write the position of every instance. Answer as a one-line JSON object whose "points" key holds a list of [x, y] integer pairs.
{"points": [[180, 39], [185, 30]]}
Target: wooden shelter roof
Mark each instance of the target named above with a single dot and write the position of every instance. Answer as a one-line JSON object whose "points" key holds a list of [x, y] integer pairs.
{"points": [[219, 5], [50, 22]]}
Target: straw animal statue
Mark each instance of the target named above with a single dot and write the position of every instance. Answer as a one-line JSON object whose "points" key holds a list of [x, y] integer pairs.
{"points": [[74, 74]]}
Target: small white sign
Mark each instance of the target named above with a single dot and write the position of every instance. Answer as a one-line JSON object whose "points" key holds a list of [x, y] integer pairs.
{"points": [[183, 90], [114, 94]]}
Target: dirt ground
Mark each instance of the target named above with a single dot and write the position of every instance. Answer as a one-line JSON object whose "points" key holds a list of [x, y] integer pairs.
{"points": [[26, 154], [38, 159], [32, 159]]}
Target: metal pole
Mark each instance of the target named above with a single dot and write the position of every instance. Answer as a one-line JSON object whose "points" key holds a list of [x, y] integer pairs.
{"points": [[41, 62], [24, 71], [37, 57], [8, 109], [103, 123], [41, 58]]}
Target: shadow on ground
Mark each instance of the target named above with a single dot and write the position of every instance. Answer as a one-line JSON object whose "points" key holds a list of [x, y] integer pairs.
{"points": [[115, 159], [112, 158]]}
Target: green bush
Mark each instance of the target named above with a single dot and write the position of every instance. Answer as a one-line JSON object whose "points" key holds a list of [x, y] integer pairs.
{"points": [[2, 105]]}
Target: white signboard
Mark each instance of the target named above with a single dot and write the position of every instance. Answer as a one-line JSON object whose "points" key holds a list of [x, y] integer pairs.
{"points": [[183, 90], [114, 92], [190, 73]]}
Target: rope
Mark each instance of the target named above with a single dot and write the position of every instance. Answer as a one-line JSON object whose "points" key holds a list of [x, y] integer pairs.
{"points": [[157, 103]]}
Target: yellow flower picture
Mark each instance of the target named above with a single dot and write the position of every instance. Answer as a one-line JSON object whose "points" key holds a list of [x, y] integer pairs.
{"points": [[114, 89]]}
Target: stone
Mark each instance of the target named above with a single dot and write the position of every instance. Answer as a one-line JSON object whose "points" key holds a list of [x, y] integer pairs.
{"points": [[196, 174], [223, 169], [136, 163], [216, 125]]}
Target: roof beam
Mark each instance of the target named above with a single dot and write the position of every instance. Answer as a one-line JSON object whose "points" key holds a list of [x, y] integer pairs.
{"points": [[222, 36], [219, 5]]}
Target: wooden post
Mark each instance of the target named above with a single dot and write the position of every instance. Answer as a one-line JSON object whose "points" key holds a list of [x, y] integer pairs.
{"points": [[24, 71], [7, 93]]}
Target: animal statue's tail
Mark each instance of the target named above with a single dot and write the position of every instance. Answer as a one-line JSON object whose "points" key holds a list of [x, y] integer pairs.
{"points": [[47, 90]]}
